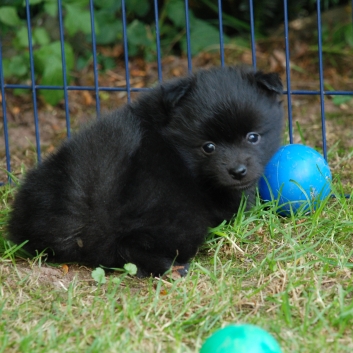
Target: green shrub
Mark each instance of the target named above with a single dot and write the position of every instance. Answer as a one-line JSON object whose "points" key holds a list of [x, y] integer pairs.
{"points": [[77, 22], [45, 37]]}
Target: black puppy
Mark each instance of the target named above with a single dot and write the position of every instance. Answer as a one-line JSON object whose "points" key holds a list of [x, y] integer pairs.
{"points": [[143, 184]]}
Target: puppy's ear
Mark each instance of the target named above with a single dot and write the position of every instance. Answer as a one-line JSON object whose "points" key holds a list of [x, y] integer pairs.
{"points": [[271, 81], [173, 91]]}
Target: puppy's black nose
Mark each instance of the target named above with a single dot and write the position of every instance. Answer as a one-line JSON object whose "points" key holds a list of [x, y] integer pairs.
{"points": [[238, 172]]}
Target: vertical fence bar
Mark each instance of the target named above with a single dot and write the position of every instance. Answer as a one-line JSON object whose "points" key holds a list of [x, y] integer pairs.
{"points": [[321, 77], [6, 132], [187, 27], [63, 65], [158, 41], [95, 64], [126, 53], [33, 83], [252, 33], [221, 41], [289, 93]]}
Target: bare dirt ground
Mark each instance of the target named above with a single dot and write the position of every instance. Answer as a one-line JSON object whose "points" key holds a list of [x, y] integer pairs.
{"points": [[58, 277]]}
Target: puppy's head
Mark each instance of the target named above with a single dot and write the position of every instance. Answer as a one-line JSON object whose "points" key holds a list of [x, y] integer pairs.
{"points": [[226, 123]]}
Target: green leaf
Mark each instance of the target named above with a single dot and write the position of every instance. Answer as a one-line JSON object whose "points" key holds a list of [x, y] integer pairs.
{"points": [[77, 19], [52, 52], [82, 62], [109, 27], [106, 62], [22, 37], [202, 36], [17, 66], [40, 36], [20, 91], [138, 37], [228, 20], [111, 5], [35, 2], [6, 68], [51, 8], [8, 16], [47, 61], [175, 10], [338, 100], [137, 33], [138, 7], [99, 275], [51, 77], [131, 269], [348, 34]]}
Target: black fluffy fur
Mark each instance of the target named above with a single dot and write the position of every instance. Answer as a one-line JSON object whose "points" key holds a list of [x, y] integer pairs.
{"points": [[137, 186]]}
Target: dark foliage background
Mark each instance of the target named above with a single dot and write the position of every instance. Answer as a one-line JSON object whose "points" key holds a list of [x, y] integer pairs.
{"points": [[204, 32]]}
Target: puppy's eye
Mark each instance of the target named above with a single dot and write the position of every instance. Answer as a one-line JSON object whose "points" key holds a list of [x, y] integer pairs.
{"points": [[209, 147], [253, 138]]}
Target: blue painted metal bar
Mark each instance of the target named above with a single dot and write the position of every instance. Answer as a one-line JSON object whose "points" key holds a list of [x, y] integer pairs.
{"points": [[33, 83], [158, 41], [221, 40], [327, 93], [126, 51], [63, 60], [252, 33], [94, 52], [321, 77], [102, 88], [75, 88], [188, 42], [6, 131], [289, 95]]}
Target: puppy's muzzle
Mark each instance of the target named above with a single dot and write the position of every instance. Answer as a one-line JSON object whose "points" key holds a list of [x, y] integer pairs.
{"points": [[239, 172]]}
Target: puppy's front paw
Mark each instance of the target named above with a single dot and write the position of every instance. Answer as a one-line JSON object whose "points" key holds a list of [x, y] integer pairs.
{"points": [[180, 270], [176, 271]]}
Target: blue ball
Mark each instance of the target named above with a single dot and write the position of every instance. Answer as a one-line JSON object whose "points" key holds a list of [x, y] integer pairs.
{"points": [[298, 177], [241, 339]]}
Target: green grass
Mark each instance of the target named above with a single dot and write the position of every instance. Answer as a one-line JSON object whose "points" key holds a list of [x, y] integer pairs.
{"points": [[292, 276]]}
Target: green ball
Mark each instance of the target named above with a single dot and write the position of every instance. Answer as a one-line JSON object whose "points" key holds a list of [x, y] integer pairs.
{"points": [[241, 339]]}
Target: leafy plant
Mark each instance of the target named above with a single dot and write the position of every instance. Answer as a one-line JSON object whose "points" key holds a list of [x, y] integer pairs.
{"points": [[338, 100], [141, 33], [98, 275], [51, 70], [9, 16], [47, 53], [172, 24], [338, 37], [108, 27], [130, 269]]}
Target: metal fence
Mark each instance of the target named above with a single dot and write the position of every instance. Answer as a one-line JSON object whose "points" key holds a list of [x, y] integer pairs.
{"points": [[33, 87]]}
